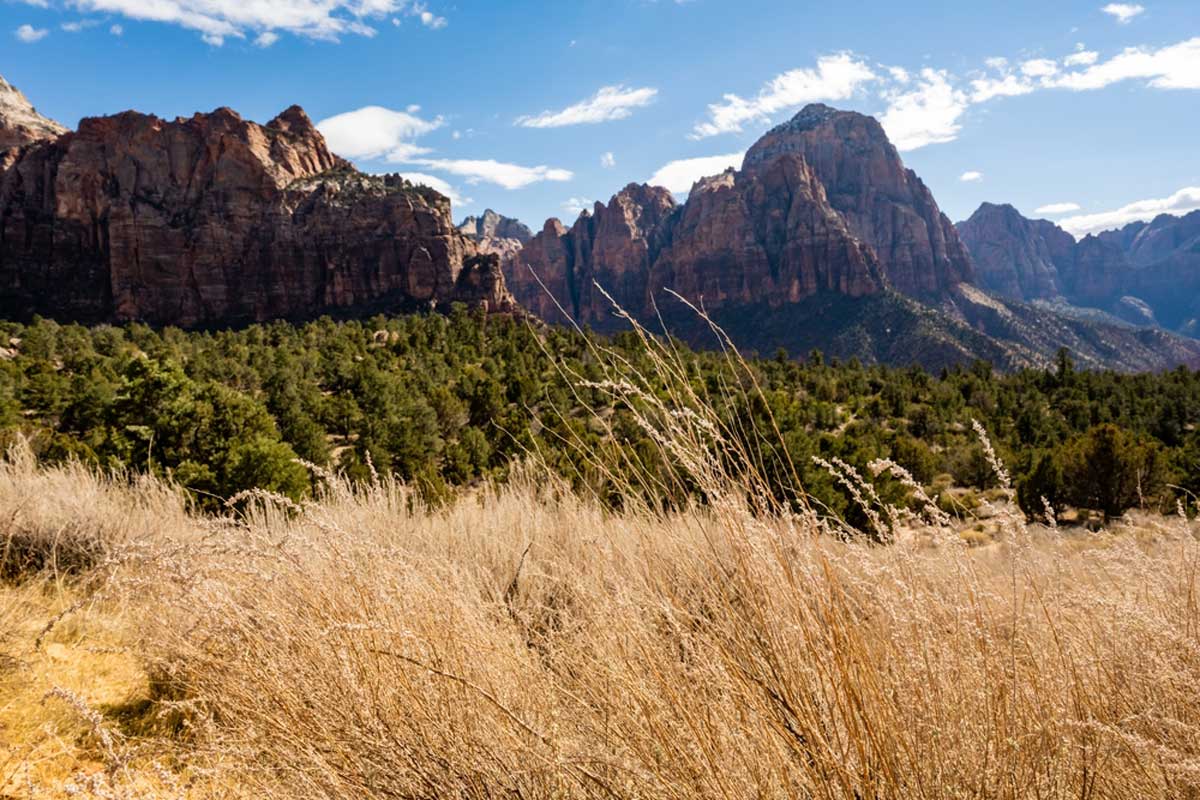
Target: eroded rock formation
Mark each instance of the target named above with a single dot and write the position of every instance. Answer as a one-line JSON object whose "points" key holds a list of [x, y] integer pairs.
{"points": [[215, 219]]}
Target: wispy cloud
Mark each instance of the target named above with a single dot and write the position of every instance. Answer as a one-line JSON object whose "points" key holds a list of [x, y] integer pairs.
{"points": [[29, 34], [928, 114], [930, 106], [608, 160], [218, 20], [971, 176], [1182, 202], [609, 103], [835, 77], [509, 176], [575, 206], [1054, 209], [679, 176], [1123, 12]]}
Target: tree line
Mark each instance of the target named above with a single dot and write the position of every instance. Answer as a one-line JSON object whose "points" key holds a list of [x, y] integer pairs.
{"points": [[447, 400]]}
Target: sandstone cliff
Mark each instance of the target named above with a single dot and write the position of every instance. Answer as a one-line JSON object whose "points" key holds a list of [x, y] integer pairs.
{"points": [[884, 204], [216, 219], [821, 204]]}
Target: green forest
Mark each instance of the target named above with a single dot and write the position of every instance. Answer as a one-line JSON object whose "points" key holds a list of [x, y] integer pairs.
{"points": [[450, 400]]}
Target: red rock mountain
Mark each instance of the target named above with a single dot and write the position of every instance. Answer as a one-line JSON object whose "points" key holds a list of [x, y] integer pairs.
{"points": [[821, 204], [216, 219], [1145, 273], [885, 205], [1016, 257]]}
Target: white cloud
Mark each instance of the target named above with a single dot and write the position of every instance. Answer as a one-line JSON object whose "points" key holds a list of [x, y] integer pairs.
{"points": [[510, 176], [971, 176], [431, 20], [679, 176], [1055, 209], [117, 30], [1123, 12], [439, 185], [1082, 58], [575, 206], [928, 114], [75, 26], [266, 39], [1039, 67], [984, 89], [836, 77], [1182, 202], [1176, 66], [610, 103], [375, 132], [217, 20], [29, 34]]}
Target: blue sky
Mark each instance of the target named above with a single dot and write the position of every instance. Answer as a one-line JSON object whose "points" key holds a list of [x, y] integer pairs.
{"points": [[535, 108]]}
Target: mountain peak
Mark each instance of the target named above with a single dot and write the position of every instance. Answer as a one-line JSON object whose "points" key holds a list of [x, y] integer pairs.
{"points": [[20, 123], [492, 227]]}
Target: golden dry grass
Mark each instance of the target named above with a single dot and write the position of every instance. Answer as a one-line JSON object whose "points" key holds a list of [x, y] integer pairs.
{"points": [[523, 642]]}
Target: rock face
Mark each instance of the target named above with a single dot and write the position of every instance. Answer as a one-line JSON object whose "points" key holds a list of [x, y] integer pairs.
{"points": [[1016, 257], [821, 204], [496, 235], [492, 226], [215, 220], [1145, 273], [20, 124], [884, 204]]}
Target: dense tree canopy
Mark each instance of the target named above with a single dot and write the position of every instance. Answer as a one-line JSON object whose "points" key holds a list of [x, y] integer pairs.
{"points": [[446, 400]]}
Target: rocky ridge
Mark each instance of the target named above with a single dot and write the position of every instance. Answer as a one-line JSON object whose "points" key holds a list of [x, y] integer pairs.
{"points": [[20, 123], [214, 219], [1145, 273]]}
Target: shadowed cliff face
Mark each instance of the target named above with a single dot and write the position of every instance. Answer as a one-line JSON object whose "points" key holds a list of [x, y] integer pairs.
{"points": [[216, 219]]}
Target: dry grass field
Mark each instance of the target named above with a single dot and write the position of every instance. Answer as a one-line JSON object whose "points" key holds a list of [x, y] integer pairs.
{"points": [[524, 642]]}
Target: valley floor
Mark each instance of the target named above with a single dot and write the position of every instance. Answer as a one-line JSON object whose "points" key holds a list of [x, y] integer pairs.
{"points": [[523, 642]]}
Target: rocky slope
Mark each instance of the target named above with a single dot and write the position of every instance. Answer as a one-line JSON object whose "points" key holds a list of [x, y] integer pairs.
{"points": [[216, 220], [1145, 273]]}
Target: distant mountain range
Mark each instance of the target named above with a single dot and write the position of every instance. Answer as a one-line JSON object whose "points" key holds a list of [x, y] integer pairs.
{"points": [[823, 239], [1147, 273]]}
